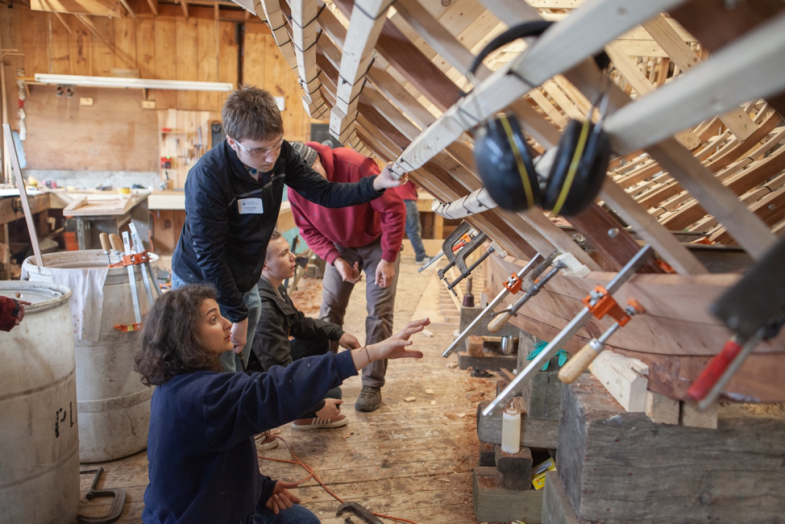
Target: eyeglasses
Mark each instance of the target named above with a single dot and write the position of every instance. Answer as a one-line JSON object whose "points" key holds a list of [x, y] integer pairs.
{"points": [[259, 151]]}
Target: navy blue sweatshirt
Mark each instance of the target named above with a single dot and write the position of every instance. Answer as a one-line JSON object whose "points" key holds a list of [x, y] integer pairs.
{"points": [[220, 244], [202, 458]]}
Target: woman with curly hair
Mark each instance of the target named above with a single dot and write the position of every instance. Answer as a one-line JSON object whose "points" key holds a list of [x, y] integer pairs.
{"points": [[202, 458]]}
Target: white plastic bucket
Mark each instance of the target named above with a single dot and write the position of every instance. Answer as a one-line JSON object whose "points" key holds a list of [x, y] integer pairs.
{"points": [[114, 406], [39, 468]]}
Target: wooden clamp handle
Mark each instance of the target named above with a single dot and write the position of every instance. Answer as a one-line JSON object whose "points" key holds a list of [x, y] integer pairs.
{"points": [[117, 244], [497, 323], [714, 370], [577, 364], [105, 242]]}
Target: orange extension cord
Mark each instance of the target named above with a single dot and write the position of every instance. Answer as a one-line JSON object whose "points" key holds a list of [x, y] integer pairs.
{"points": [[311, 473]]}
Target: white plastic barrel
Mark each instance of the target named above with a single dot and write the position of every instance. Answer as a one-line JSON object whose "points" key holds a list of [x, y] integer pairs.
{"points": [[39, 467], [114, 406]]}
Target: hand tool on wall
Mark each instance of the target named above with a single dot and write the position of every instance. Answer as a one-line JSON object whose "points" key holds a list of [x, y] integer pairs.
{"points": [[118, 502], [594, 306], [573, 368], [460, 259], [501, 317], [106, 246], [754, 308], [117, 245], [364, 514], [512, 285]]}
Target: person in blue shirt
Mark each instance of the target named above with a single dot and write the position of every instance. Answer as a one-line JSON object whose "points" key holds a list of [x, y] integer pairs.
{"points": [[203, 465]]}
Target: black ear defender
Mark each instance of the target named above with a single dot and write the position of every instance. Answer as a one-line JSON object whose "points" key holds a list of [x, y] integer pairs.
{"points": [[504, 158]]}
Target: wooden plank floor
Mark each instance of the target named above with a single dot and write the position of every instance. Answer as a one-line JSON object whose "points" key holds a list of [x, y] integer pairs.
{"points": [[408, 459]]}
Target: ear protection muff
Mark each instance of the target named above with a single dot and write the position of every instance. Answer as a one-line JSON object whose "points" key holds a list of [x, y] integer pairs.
{"points": [[504, 158], [578, 169]]}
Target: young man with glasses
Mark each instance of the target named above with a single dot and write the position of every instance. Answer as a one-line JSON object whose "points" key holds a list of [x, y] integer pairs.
{"points": [[232, 198]]}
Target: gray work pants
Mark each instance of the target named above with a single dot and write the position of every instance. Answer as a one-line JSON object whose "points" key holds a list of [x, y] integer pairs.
{"points": [[380, 302]]}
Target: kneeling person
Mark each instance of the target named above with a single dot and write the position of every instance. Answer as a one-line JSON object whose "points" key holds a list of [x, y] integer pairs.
{"points": [[281, 319]]}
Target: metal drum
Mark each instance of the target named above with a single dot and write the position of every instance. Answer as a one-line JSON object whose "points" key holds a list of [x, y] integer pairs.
{"points": [[113, 405], [39, 468]]}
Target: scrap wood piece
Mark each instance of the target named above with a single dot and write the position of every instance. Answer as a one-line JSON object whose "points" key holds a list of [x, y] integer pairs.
{"points": [[625, 378]]}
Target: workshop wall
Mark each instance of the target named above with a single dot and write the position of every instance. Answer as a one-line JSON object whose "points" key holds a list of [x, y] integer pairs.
{"points": [[116, 133]]}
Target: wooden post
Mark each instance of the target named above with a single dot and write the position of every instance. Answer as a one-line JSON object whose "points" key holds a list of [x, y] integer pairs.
{"points": [[23, 194]]}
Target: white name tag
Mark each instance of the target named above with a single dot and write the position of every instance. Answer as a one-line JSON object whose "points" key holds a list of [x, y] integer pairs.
{"points": [[250, 206]]}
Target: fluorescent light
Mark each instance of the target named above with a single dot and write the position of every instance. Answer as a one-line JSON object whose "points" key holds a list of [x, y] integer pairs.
{"points": [[135, 83]]}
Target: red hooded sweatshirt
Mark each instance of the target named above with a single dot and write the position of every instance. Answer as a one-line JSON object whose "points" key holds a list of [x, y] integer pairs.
{"points": [[355, 226]]}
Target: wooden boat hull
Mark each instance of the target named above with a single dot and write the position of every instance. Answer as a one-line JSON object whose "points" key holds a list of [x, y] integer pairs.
{"points": [[676, 337]]}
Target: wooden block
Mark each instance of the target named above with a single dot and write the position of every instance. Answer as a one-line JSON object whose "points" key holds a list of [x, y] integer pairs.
{"points": [[622, 467], [556, 507], [691, 417], [487, 455], [515, 469], [624, 377], [491, 362], [494, 503], [660, 409], [535, 433], [542, 400], [474, 346]]}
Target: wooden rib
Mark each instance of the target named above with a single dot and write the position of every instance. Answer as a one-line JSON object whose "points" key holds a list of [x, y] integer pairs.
{"points": [[643, 86], [381, 78], [184, 5], [737, 120], [745, 69], [303, 24], [367, 20], [718, 200], [270, 11], [564, 45], [770, 209]]}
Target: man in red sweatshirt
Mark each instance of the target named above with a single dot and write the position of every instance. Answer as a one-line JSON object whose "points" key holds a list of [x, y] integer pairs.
{"points": [[366, 236]]}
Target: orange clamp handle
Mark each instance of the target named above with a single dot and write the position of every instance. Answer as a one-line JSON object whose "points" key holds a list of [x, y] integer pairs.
{"points": [[127, 328], [134, 259], [714, 370], [607, 305], [513, 284]]}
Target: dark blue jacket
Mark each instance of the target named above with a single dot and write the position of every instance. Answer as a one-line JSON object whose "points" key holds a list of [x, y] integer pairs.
{"points": [[223, 247], [202, 458]]}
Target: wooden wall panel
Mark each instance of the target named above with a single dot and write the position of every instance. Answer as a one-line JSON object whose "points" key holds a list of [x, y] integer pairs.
{"points": [[60, 57], [207, 63], [79, 49], [101, 56], [145, 47], [125, 43], [185, 54], [165, 58], [114, 134], [165, 47]]}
